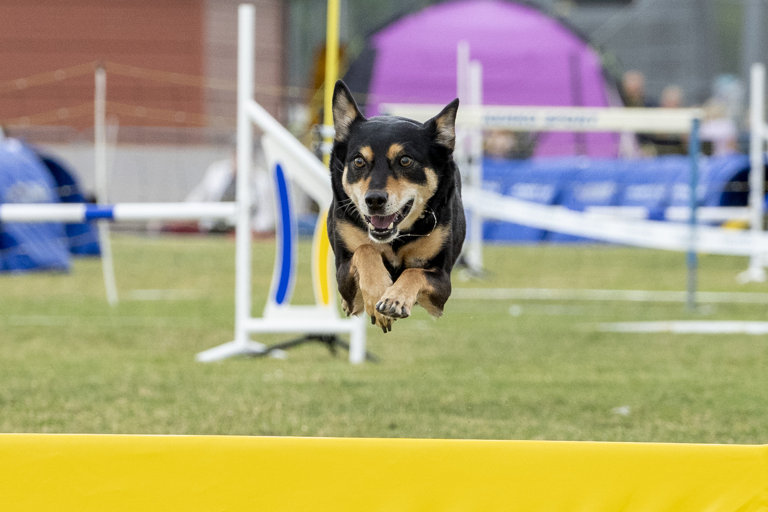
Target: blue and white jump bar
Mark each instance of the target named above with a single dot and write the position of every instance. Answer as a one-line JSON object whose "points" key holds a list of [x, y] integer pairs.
{"points": [[83, 212]]}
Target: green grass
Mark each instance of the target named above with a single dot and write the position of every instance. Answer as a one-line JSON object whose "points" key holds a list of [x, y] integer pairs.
{"points": [[502, 369]]}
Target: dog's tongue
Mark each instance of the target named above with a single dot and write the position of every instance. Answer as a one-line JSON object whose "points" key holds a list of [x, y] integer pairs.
{"points": [[382, 221]]}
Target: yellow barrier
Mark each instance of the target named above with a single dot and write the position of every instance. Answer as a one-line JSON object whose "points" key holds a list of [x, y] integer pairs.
{"points": [[176, 473]]}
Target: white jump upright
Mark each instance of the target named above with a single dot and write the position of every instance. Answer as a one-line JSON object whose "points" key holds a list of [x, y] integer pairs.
{"points": [[100, 180], [758, 133], [288, 160], [469, 148]]}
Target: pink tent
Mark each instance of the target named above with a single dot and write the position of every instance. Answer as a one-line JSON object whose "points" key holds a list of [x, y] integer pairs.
{"points": [[528, 58]]}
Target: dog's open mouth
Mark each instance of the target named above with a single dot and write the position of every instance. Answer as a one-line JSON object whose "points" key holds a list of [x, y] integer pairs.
{"points": [[382, 227]]}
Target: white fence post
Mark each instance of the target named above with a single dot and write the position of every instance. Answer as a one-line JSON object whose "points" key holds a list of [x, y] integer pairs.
{"points": [[757, 136]]}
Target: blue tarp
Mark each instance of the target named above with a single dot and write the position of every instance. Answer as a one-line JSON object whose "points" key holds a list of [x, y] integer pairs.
{"points": [[579, 183], [23, 247], [82, 237]]}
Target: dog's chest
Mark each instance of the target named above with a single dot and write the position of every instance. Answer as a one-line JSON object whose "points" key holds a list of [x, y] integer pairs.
{"points": [[418, 252], [415, 252]]}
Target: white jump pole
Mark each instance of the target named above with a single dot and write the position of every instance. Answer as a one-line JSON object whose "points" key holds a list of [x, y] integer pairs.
{"points": [[242, 344], [82, 212], [316, 179], [476, 167], [469, 148], [100, 180], [245, 77], [756, 271]]}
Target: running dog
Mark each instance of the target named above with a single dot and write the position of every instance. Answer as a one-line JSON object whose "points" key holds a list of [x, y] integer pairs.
{"points": [[396, 222]]}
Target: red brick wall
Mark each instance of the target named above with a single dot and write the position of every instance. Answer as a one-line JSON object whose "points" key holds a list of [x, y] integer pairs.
{"points": [[221, 53], [41, 36]]}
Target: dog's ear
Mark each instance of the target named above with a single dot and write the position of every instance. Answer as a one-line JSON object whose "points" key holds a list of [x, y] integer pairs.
{"points": [[443, 125], [345, 111]]}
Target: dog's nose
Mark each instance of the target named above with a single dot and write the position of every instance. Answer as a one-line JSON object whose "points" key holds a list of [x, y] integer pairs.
{"points": [[375, 199]]}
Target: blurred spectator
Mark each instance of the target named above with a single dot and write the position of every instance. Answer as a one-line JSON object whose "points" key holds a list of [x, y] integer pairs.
{"points": [[634, 96], [509, 144], [719, 133], [671, 97], [670, 143], [728, 91], [723, 116], [219, 184], [633, 89]]}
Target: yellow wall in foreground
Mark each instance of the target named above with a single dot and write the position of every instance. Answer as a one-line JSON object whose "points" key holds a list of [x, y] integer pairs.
{"points": [[155, 473]]}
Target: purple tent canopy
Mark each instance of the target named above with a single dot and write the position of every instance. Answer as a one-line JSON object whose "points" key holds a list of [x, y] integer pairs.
{"points": [[528, 58]]}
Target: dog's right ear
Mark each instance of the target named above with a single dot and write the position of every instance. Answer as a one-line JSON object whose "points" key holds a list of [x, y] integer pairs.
{"points": [[345, 111]]}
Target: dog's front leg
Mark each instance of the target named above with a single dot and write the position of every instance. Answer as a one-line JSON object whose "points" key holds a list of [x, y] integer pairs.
{"points": [[428, 287], [352, 299], [373, 279]]}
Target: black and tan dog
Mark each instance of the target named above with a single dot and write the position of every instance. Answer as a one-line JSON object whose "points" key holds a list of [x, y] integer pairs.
{"points": [[396, 223]]}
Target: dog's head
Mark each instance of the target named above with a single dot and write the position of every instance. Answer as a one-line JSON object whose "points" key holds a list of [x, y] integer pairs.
{"points": [[390, 166]]}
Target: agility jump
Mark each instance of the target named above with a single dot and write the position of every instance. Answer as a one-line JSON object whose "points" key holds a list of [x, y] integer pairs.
{"points": [[692, 237], [289, 161]]}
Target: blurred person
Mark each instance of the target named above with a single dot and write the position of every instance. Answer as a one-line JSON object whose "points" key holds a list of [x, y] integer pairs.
{"points": [[509, 144], [219, 183], [672, 96], [634, 96], [725, 123], [499, 143], [719, 132], [728, 90], [633, 89]]}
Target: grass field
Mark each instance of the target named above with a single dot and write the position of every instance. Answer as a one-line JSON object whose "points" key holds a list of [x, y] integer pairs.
{"points": [[504, 369]]}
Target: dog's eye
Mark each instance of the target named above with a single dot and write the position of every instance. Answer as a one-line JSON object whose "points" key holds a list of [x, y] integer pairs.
{"points": [[406, 161], [359, 162]]}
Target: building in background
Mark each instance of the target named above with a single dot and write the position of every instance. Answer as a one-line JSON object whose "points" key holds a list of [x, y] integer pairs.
{"points": [[169, 64], [173, 62], [171, 68]]}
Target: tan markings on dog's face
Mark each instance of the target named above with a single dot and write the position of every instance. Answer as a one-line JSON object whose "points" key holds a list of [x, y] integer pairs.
{"points": [[421, 250], [394, 151], [420, 195], [355, 237], [357, 189], [367, 152]]}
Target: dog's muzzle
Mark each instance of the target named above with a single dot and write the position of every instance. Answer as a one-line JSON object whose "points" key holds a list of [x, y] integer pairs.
{"points": [[383, 228]]}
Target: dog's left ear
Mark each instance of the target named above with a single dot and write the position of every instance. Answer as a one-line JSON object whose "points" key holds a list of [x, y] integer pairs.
{"points": [[345, 111], [443, 125]]}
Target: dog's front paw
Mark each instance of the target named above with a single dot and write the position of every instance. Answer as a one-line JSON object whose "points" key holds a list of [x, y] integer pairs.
{"points": [[370, 298], [393, 307], [382, 321], [396, 302], [372, 292]]}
